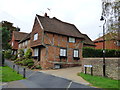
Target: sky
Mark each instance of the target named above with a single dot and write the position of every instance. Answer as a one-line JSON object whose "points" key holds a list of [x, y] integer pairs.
{"points": [[84, 14]]}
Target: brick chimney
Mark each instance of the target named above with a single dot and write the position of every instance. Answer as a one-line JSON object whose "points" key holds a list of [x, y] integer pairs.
{"points": [[46, 15]]}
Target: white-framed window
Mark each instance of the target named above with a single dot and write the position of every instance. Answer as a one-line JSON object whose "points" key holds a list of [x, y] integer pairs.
{"points": [[118, 43], [71, 39], [36, 36], [26, 42], [36, 52], [76, 53], [19, 45], [63, 52], [12, 43]]}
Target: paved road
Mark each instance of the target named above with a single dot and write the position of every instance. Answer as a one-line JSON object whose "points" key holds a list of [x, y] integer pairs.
{"points": [[41, 80]]}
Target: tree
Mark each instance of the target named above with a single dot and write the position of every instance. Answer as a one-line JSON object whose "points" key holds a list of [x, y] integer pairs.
{"points": [[110, 10], [9, 26], [5, 35]]}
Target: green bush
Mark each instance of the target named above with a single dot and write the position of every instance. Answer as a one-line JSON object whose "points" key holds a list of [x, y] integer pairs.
{"points": [[7, 54], [30, 65], [37, 67], [28, 53], [14, 57], [21, 53], [92, 52], [27, 61]]}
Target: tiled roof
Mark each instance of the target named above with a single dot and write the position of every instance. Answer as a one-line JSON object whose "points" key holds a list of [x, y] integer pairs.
{"points": [[55, 25], [26, 37], [19, 35], [88, 40]]}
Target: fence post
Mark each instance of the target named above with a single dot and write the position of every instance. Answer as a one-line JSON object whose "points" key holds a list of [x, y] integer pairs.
{"points": [[85, 70], [13, 67], [24, 72], [91, 70], [18, 70]]}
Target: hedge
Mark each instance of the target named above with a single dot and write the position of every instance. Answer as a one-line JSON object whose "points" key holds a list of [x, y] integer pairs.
{"points": [[92, 52]]}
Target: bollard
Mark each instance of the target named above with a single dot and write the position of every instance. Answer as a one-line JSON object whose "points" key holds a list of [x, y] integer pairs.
{"points": [[24, 72], [85, 70], [91, 70], [13, 67], [18, 70]]}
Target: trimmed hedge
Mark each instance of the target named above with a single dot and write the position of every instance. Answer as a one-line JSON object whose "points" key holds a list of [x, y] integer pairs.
{"points": [[92, 52]]}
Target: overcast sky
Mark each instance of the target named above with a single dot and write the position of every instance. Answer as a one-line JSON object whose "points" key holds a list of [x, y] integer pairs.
{"points": [[84, 14]]}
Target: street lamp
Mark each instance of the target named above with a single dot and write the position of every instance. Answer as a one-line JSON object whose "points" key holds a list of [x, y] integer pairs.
{"points": [[102, 18]]}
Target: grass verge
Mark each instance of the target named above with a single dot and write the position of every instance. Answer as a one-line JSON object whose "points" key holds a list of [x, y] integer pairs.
{"points": [[8, 74], [101, 82]]}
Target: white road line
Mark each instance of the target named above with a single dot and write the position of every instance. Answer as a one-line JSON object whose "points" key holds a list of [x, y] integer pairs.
{"points": [[69, 85]]}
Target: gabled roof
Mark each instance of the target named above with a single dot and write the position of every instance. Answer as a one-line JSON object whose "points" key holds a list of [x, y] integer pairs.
{"points": [[25, 38], [19, 35], [88, 41], [55, 25]]}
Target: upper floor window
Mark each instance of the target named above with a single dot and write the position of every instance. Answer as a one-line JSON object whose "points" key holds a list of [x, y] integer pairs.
{"points": [[19, 45], [71, 39], [36, 36], [76, 53], [26, 42], [63, 52]]}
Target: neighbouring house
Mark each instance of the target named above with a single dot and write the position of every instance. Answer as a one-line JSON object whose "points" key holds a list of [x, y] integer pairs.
{"points": [[88, 42], [16, 37], [110, 42]]}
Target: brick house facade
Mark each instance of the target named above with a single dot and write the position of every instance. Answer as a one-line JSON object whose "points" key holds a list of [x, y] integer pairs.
{"points": [[16, 37], [110, 43]]}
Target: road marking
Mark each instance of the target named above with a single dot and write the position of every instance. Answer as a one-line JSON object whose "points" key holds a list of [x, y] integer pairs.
{"points": [[69, 85]]}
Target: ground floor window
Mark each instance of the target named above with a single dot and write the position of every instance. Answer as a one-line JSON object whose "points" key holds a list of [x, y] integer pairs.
{"points": [[76, 53], [36, 52], [63, 52]]}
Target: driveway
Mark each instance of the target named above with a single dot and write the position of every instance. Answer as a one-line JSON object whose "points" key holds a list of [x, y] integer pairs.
{"points": [[42, 79], [68, 73]]}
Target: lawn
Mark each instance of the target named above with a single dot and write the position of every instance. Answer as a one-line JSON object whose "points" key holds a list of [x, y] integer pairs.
{"points": [[8, 74], [101, 82]]}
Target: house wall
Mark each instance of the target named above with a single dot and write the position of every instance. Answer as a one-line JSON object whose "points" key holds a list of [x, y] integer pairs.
{"points": [[50, 54], [112, 67], [108, 45], [36, 29]]}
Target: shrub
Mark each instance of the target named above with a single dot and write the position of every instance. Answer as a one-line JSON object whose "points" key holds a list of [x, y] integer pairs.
{"points": [[28, 53], [30, 65], [37, 67], [27, 61], [14, 57], [7, 54], [21, 52], [92, 52]]}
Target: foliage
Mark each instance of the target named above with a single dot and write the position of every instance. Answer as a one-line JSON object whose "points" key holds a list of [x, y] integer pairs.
{"points": [[14, 57], [5, 34], [37, 67], [8, 74], [7, 54], [101, 82], [21, 53], [30, 65], [28, 53], [92, 52]]}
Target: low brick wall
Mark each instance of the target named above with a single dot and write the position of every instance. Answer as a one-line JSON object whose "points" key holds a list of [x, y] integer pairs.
{"points": [[112, 67]]}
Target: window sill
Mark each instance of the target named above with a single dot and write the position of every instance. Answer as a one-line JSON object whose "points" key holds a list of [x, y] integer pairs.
{"points": [[76, 58], [63, 56]]}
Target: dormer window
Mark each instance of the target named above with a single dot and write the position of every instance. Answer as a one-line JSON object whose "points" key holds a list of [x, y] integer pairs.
{"points": [[35, 36], [71, 40]]}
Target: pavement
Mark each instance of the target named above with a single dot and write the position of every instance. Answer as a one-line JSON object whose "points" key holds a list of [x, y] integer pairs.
{"points": [[45, 79]]}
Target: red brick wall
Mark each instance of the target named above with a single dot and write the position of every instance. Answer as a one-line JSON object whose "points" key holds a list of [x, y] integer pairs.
{"points": [[50, 54], [108, 45], [36, 29]]}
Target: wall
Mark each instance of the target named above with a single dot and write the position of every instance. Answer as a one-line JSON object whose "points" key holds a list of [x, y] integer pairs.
{"points": [[112, 66], [53, 43]]}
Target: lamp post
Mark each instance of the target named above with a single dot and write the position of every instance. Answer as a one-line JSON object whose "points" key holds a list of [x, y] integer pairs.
{"points": [[102, 18]]}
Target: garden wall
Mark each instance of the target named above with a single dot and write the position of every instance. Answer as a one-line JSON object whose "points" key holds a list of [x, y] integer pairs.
{"points": [[112, 67]]}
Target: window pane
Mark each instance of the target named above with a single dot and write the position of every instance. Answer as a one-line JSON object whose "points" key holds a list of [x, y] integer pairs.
{"points": [[71, 39], [62, 52], [36, 36], [36, 52], [76, 53]]}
